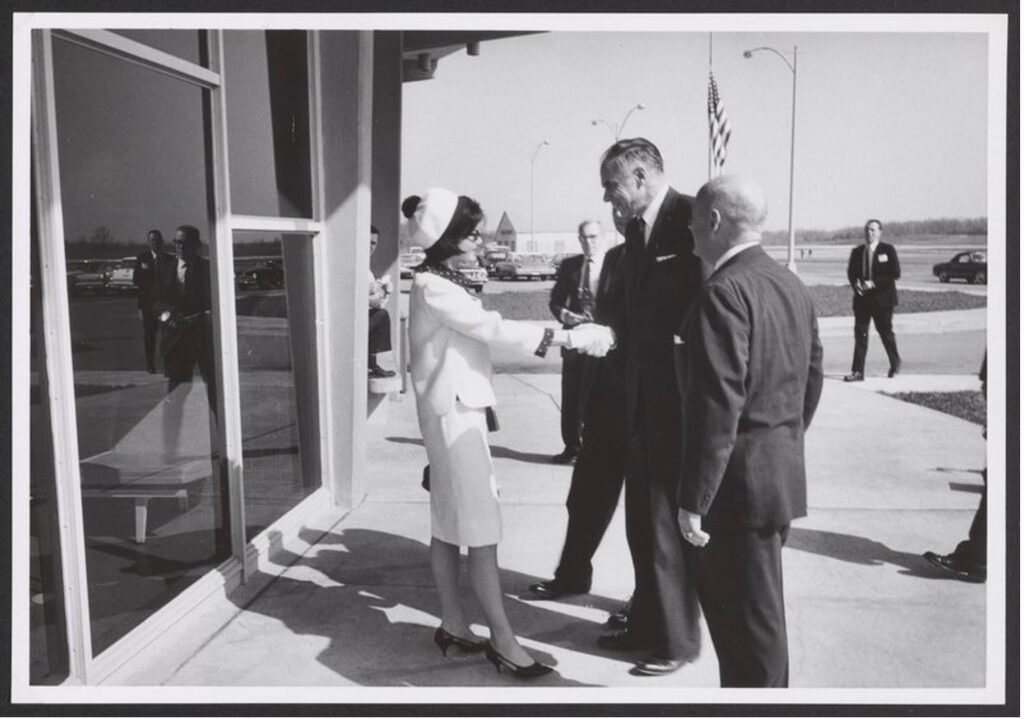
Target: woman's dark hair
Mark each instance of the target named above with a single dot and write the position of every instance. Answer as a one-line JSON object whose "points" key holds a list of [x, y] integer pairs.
{"points": [[468, 215]]}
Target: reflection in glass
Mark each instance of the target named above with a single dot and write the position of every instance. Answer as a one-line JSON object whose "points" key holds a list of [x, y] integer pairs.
{"points": [[48, 649], [133, 159], [277, 372], [185, 44], [267, 99]]}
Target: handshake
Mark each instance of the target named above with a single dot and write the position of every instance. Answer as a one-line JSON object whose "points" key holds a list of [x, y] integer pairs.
{"points": [[591, 339]]}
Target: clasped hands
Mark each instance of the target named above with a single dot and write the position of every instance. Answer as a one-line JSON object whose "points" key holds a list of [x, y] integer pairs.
{"points": [[592, 339]]}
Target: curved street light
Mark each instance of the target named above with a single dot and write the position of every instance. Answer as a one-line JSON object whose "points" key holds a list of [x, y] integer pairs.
{"points": [[533, 160], [791, 261], [617, 129]]}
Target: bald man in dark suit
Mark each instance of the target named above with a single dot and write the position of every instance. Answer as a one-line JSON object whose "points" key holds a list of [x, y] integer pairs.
{"points": [[750, 370]]}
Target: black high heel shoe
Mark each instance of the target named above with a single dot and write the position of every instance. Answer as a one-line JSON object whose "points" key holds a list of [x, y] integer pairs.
{"points": [[444, 641], [531, 672]]}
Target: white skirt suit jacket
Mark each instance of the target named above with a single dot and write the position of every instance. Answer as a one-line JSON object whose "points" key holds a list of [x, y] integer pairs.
{"points": [[449, 337]]}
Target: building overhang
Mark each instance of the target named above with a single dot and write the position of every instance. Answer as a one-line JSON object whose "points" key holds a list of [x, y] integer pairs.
{"points": [[423, 49]]}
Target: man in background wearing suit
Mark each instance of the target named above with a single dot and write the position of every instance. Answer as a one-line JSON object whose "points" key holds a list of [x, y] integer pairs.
{"points": [[572, 302], [150, 267], [600, 468], [872, 271], [184, 311], [750, 370], [661, 275]]}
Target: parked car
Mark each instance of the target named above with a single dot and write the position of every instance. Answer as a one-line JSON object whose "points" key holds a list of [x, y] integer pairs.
{"points": [[493, 257], [524, 266], [88, 276], [408, 260], [971, 266], [469, 267], [121, 276], [268, 276]]}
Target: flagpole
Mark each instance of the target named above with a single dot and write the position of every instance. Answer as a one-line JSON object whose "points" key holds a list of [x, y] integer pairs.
{"points": [[711, 63]]}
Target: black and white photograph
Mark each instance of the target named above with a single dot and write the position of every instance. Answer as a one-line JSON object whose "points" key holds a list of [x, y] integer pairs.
{"points": [[495, 359]]}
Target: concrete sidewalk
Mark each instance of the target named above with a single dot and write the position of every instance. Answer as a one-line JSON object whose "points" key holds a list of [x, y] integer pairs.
{"points": [[887, 481]]}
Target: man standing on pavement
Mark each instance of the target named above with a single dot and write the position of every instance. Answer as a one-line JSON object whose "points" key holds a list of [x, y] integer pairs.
{"points": [[750, 366], [872, 271], [600, 468], [661, 275], [150, 265], [572, 302]]}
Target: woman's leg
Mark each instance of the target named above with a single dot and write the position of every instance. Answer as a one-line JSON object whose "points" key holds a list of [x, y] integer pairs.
{"points": [[483, 575], [444, 561]]}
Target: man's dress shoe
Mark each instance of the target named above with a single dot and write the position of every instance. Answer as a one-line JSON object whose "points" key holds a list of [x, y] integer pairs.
{"points": [[617, 642], [957, 567], [655, 666], [555, 588], [619, 619], [895, 369], [566, 456], [854, 377]]}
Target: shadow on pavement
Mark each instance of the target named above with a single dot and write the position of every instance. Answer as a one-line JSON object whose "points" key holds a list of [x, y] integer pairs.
{"points": [[859, 550], [496, 451], [371, 596]]}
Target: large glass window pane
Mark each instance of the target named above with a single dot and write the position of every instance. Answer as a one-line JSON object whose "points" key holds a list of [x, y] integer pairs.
{"points": [[48, 649], [134, 158], [267, 95], [277, 371], [180, 43]]}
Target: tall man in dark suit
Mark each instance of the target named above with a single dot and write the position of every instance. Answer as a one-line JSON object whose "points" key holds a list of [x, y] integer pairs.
{"points": [[184, 311], [661, 275], [600, 468], [872, 271], [150, 267], [750, 369], [572, 302]]}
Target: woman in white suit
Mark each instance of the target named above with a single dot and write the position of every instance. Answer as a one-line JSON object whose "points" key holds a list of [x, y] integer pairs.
{"points": [[449, 335]]}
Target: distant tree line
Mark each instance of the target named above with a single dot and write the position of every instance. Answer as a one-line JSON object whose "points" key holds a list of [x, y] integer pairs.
{"points": [[103, 245], [855, 233]]}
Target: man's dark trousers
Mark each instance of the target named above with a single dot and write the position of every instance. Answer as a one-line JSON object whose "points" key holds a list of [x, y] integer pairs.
{"points": [[572, 378], [665, 613], [598, 475], [739, 580], [864, 311]]}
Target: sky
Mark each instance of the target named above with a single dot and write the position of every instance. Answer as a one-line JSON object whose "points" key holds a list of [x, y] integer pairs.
{"points": [[888, 125]]}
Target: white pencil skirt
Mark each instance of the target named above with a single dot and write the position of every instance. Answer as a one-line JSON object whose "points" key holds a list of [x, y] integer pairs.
{"points": [[464, 506]]}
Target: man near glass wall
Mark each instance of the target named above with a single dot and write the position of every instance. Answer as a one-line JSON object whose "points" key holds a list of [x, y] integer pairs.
{"points": [[184, 307], [150, 267], [380, 321]]}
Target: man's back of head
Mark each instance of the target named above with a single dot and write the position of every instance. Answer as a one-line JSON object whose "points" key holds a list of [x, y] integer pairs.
{"points": [[729, 210]]}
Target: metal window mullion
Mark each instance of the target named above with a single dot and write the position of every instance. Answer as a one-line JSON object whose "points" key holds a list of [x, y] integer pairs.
{"points": [[225, 323], [110, 43], [58, 361], [319, 275]]}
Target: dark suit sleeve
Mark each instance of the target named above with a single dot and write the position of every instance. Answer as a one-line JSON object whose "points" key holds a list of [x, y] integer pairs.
{"points": [[852, 268], [815, 376], [718, 355], [136, 271], [560, 292]]}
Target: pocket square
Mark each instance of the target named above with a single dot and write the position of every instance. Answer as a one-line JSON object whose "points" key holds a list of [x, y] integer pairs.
{"points": [[662, 258], [676, 339]]}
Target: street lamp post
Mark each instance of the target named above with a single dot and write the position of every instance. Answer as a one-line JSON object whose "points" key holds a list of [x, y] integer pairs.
{"points": [[617, 129], [533, 161], [791, 262]]}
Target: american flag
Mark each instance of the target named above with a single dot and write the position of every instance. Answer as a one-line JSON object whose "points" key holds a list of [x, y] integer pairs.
{"points": [[718, 123]]}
